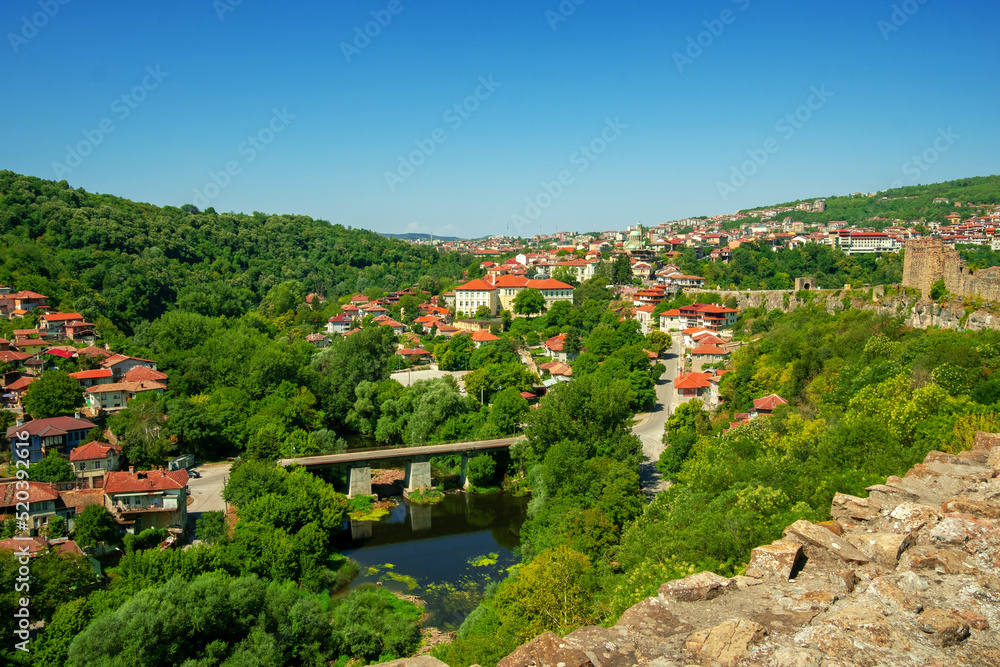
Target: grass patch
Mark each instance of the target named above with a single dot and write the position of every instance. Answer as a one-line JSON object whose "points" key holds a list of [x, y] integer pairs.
{"points": [[429, 496], [366, 508]]}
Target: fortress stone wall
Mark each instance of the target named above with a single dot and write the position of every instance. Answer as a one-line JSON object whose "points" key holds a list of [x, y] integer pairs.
{"points": [[927, 261]]}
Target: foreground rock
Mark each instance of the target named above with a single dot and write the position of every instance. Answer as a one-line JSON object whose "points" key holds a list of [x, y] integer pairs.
{"points": [[908, 576]]}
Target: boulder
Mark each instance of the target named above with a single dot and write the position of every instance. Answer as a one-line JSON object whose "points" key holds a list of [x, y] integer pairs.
{"points": [[546, 650], [965, 505], [702, 586], [846, 508], [883, 548], [726, 643], [778, 558], [911, 517], [810, 533]]}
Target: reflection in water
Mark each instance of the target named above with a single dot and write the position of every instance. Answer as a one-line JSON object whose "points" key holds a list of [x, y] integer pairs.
{"points": [[432, 548]]}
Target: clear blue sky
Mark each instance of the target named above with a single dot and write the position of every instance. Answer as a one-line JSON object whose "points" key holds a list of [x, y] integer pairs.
{"points": [[892, 89]]}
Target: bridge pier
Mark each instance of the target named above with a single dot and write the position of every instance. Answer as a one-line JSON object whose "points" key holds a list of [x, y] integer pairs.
{"points": [[418, 474], [463, 479], [359, 482]]}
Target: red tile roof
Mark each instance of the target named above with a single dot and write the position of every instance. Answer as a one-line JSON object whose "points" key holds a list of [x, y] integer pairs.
{"points": [[133, 387], [484, 337], [713, 350], [769, 402], [60, 317], [19, 384], [145, 480], [692, 381], [476, 286], [93, 450], [142, 373], [37, 492], [89, 375]]}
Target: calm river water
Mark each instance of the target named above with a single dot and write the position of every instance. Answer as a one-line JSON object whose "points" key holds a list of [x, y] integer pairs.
{"points": [[444, 553]]}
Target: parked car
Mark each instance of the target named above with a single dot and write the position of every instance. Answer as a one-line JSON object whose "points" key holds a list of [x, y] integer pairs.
{"points": [[194, 473]]}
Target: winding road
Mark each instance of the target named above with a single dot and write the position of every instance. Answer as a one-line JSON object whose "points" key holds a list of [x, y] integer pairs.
{"points": [[651, 425]]}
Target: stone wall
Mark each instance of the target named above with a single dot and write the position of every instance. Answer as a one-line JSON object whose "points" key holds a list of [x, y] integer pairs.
{"points": [[927, 261], [909, 575]]}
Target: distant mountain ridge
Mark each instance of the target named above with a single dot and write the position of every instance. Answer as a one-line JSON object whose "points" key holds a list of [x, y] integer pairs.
{"points": [[414, 236]]}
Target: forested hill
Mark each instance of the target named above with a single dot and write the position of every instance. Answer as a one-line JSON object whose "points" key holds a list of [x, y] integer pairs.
{"points": [[105, 256], [915, 202]]}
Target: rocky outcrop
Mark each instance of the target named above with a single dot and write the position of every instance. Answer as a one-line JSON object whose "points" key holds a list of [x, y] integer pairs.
{"points": [[909, 575]]}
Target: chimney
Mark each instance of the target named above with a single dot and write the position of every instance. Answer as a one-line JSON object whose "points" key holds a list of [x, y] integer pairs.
{"points": [[77, 415], [19, 422], [131, 470]]}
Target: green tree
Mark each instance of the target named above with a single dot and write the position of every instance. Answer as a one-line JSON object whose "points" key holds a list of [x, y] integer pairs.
{"points": [[95, 524], [622, 273], [659, 342], [938, 290], [484, 383], [483, 312], [52, 468], [211, 527], [529, 302], [54, 393], [481, 470]]}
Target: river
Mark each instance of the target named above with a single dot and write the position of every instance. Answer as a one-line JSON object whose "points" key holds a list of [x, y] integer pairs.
{"points": [[444, 553]]}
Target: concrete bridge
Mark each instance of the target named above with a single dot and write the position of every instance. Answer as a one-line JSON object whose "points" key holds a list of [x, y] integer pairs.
{"points": [[418, 466]]}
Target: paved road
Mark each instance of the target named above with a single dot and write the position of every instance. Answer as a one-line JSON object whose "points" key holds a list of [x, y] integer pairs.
{"points": [[206, 491], [650, 426], [406, 378]]}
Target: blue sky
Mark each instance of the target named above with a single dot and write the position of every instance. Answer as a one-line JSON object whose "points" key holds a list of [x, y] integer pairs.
{"points": [[570, 117]]}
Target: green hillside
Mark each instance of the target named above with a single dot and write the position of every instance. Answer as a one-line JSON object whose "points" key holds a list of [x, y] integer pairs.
{"points": [[109, 257], [914, 202]]}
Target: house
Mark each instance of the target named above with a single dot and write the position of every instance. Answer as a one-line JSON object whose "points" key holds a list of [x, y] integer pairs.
{"points": [[339, 324], [386, 321], [764, 407], [373, 309], [670, 320], [559, 371], [352, 312], [15, 390], [114, 397], [708, 315], [147, 499], [19, 303], [121, 364], [96, 376], [31, 345], [708, 354], [581, 269], [556, 346], [61, 434], [15, 359], [480, 337], [693, 385], [414, 353], [682, 280], [315, 300], [318, 340], [41, 499], [79, 330], [53, 325], [92, 461], [477, 294], [644, 315], [691, 335], [552, 290]]}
